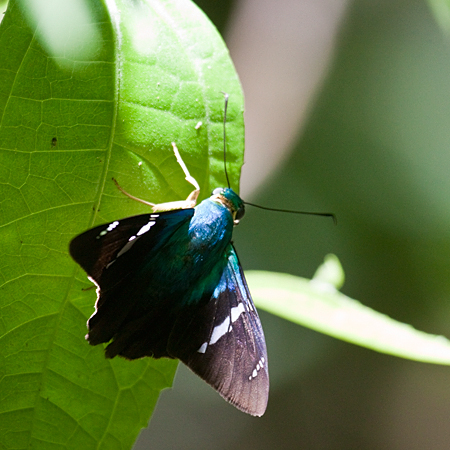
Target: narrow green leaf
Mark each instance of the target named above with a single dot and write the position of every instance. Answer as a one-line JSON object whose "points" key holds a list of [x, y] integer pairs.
{"points": [[330, 273], [72, 116], [318, 305]]}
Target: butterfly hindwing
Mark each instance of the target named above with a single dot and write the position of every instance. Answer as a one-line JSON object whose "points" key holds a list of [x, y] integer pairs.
{"points": [[222, 341]]}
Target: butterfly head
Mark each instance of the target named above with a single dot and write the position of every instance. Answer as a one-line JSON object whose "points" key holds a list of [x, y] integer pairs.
{"points": [[228, 198]]}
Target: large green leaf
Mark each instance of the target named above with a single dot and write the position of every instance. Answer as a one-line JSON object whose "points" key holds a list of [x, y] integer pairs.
{"points": [[90, 90]]}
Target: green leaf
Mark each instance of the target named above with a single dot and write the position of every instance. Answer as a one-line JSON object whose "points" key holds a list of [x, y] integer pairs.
{"points": [[316, 304], [91, 90], [330, 273]]}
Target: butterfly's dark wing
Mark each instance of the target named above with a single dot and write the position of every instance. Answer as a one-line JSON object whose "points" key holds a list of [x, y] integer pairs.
{"points": [[112, 253], [217, 334], [223, 342]]}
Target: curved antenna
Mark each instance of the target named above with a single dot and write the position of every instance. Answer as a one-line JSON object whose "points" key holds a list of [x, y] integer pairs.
{"points": [[225, 137], [252, 204], [323, 214]]}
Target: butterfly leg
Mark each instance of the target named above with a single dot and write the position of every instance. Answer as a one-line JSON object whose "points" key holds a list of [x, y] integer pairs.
{"points": [[190, 179], [190, 202], [121, 189]]}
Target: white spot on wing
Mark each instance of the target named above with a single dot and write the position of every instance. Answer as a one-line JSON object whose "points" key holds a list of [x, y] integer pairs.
{"points": [[224, 327], [126, 247], [145, 228], [113, 225], [236, 312], [202, 349], [259, 366], [220, 330]]}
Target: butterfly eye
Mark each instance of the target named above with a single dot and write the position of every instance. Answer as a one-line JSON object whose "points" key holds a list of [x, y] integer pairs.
{"points": [[217, 191], [240, 213]]}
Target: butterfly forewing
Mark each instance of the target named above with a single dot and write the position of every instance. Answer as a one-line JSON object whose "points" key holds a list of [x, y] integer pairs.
{"points": [[98, 249], [111, 254], [223, 342]]}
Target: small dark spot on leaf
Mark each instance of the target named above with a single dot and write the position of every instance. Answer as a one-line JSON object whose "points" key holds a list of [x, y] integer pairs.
{"points": [[88, 288], [54, 142]]}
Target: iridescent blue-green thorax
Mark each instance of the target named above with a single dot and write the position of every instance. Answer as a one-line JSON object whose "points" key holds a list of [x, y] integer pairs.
{"points": [[209, 235], [211, 228]]}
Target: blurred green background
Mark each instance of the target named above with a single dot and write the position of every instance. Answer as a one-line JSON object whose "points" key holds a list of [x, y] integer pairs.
{"points": [[375, 151]]}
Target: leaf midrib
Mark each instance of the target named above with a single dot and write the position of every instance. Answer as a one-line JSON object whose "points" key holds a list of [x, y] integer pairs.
{"points": [[99, 195]]}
